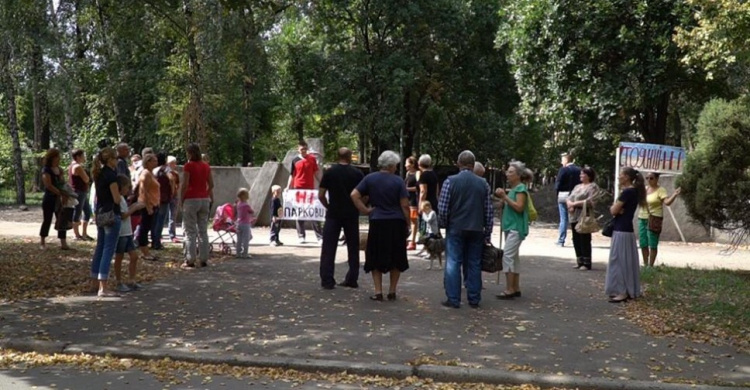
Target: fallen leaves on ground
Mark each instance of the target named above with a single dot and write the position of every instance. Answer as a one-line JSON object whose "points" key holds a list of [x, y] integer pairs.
{"points": [[30, 272], [176, 372], [706, 306]]}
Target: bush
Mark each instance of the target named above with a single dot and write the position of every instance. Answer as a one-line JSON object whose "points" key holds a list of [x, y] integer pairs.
{"points": [[716, 180]]}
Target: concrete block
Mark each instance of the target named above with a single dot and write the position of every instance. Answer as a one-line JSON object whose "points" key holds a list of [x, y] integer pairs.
{"points": [[260, 192]]}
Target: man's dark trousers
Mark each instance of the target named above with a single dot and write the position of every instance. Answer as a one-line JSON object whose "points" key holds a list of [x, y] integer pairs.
{"points": [[331, 232]]}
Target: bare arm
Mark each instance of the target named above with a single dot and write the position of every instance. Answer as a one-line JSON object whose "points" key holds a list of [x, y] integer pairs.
{"points": [[617, 208], [47, 182], [517, 205], [211, 186], [184, 186], [405, 210], [422, 194], [79, 171], [359, 204], [672, 198], [133, 208]]}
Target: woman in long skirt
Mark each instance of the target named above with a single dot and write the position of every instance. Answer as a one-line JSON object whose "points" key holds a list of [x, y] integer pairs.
{"points": [[623, 272], [388, 210]]}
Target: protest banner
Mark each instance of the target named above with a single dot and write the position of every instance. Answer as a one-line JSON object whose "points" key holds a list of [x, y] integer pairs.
{"points": [[651, 158], [661, 159], [303, 205]]}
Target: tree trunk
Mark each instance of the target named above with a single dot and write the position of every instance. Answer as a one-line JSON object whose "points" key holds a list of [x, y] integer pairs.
{"points": [[408, 132], [39, 99], [653, 121], [253, 51], [6, 79], [195, 129]]}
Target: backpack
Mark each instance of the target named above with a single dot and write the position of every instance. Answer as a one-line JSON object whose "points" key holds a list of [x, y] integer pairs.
{"points": [[165, 185]]}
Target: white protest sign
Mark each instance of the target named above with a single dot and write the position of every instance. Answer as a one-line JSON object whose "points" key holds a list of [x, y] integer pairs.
{"points": [[303, 205], [651, 157]]}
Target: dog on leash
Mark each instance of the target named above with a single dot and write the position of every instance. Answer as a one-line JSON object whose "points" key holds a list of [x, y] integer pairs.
{"points": [[362, 240], [434, 247]]}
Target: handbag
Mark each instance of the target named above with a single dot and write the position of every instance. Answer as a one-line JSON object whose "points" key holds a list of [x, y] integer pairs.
{"points": [[492, 259], [654, 222], [105, 218], [587, 223], [608, 228], [533, 214]]}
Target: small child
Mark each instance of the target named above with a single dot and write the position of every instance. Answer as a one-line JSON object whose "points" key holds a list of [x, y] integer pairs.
{"points": [[430, 218], [245, 221], [125, 242], [276, 215]]}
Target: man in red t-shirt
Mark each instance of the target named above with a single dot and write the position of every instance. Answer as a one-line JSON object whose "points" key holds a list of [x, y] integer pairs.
{"points": [[305, 174]]}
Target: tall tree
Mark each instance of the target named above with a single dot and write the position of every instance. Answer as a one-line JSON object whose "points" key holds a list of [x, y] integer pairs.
{"points": [[617, 59], [8, 20]]}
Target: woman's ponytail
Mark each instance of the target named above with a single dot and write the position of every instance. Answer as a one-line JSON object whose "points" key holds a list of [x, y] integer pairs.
{"points": [[640, 185]]}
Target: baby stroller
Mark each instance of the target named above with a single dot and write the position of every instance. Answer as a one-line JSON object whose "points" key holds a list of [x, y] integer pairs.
{"points": [[223, 224]]}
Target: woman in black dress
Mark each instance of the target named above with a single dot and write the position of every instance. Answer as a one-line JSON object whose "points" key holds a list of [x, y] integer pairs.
{"points": [[389, 223]]}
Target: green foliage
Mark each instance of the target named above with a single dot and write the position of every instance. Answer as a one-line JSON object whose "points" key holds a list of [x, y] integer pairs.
{"points": [[716, 180], [612, 59], [718, 41]]}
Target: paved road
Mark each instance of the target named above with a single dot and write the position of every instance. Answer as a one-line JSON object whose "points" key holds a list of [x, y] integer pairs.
{"points": [[272, 305]]}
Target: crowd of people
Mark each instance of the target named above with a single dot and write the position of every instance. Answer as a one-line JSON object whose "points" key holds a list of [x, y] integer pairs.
{"points": [[577, 192], [137, 196]]}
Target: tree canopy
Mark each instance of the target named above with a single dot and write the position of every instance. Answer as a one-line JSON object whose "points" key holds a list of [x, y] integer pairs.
{"points": [[246, 79]]}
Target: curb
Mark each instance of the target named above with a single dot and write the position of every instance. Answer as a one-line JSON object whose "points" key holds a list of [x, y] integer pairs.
{"points": [[398, 371]]}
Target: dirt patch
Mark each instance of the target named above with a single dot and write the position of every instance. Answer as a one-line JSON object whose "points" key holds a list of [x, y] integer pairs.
{"points": [[15, 214]]}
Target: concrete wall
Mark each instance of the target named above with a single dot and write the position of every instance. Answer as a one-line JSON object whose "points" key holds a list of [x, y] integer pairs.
{"points": [[258, 180], [546, 205]]}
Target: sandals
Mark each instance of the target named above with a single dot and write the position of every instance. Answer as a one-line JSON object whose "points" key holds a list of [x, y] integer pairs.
{"points": [[618, 299], [506, 295], [377, 297], [187, 265], [107, 294], [391, 296], [151, 258]]}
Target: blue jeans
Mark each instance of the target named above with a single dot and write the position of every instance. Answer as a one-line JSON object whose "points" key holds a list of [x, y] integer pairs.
{"points": [[563, 229], [83, 208], [172, 225], [463, 248], [161, 217], [106, 243]]}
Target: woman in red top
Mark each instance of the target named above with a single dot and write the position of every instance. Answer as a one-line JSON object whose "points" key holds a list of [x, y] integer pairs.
{"points": [[196, 195]]}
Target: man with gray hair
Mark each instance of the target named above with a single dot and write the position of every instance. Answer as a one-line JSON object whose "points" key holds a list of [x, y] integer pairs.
{"points": [[123, 152], [465, 210], [478, 169]]}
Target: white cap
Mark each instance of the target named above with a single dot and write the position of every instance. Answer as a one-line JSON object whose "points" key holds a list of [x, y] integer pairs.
{"points": [[171, 159]]}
